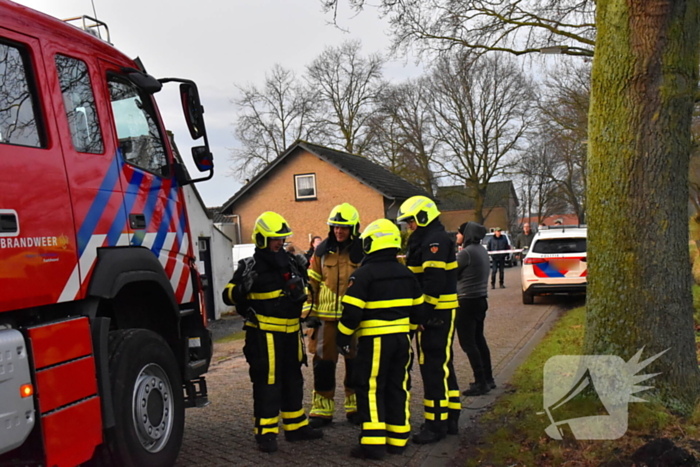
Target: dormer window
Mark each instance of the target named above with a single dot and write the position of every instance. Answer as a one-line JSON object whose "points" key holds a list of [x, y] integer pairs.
{"points": [[305, 187]]}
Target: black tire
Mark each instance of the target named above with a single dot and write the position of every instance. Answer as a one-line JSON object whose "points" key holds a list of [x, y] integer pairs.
{"points": [[147, 397], [528, 299]]}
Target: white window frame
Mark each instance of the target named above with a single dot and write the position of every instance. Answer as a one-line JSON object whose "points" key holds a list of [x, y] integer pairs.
{"points": [[296, 187]]}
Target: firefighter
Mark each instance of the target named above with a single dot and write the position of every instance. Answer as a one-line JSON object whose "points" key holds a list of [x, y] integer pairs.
{"points": [[431, 257], [382, 301], [334, 261], [268, 290]]}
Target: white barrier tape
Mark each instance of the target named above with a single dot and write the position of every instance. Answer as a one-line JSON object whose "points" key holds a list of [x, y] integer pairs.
{"points": [[498, 252]]}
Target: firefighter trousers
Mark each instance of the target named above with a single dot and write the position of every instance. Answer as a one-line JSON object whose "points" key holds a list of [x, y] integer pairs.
{"points": [[278, 385], [323, 345], [382, 384], [441, 393]]}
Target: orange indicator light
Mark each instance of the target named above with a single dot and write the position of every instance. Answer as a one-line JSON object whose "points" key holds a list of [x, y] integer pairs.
{"points": [[26, 390]]}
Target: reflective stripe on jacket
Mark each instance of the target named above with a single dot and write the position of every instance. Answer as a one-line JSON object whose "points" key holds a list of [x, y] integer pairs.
{"points": [[431, 257], [383, 298], [328, 278]]}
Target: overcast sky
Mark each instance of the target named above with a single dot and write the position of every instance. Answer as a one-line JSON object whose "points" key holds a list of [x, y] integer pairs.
{"points": [[221, 43]]}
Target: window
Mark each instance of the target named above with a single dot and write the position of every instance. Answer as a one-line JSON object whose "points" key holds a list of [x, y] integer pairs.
{"points": [[140, 139], [79, 102], [18, 104], [305, 186], [560, 245]]}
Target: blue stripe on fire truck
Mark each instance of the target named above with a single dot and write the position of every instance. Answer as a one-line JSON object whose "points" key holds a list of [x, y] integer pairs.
{"points": [[151, 202], [94, 214], [130, 196], [165, 222]]}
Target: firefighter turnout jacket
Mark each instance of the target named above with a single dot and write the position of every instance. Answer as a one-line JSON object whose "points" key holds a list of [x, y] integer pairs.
{"points": [[381, 302], [273, 347], [431, 257], [329, 272]]}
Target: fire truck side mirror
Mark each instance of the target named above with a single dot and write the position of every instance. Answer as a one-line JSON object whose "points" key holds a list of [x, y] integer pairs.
{"points": [[194, 112], [143, 80], [203, 158]]}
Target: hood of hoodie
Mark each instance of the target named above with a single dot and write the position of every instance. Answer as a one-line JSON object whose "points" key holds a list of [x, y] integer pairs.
{"points": [[473, 233]]}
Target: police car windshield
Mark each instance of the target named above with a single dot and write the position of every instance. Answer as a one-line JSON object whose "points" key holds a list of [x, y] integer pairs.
{"points": [[560, 245]]}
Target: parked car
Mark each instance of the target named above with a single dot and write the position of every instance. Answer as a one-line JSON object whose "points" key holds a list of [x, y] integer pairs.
{"points": [[510, 258], [555, 263]]}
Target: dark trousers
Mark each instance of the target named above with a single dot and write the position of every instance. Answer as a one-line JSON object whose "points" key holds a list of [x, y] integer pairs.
{"points": [[470, 331], [441, 393], [381, 376], [278, 386], [497, 262], [323, 345]]}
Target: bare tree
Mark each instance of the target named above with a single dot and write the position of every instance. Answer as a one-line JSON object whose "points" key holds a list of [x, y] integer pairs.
{"points": [[518, 27], [403, 138], [539, 194], [563, 111], [348, 86], [272, 117], [482, 110]]}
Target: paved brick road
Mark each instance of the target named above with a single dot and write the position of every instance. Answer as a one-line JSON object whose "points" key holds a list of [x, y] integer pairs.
{"points": [[221, 434]]}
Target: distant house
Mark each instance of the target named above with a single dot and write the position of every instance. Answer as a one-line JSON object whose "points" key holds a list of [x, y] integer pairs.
{"points": [[563, 219], [305, 183], [500, 206]]}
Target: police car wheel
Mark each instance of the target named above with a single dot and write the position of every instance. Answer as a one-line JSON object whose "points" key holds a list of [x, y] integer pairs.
{"points": [[528, 298], [147, 399]]}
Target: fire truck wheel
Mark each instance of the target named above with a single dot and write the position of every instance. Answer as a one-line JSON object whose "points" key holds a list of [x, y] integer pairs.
{"points": [[148, 400]]}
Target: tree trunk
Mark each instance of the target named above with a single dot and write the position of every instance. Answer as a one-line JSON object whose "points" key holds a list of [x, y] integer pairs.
{"points": [[639, 290]]}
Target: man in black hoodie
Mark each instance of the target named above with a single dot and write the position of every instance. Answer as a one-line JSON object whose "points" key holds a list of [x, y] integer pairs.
{"points": [[472, 290], [431, 257]]}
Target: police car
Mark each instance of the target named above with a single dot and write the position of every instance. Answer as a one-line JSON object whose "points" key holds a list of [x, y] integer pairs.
{"points": [[555, 263]]}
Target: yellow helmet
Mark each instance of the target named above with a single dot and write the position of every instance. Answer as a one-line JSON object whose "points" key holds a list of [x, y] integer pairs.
{"points": [[345, 215], [379, 235], [270, 225], [421, 208]]}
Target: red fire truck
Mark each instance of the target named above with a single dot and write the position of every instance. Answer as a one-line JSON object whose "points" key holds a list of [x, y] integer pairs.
{"points": [[103, 340]]}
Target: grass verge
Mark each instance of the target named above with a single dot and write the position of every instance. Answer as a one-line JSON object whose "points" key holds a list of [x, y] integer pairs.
{"points": [[512, 433], [231, 338]]}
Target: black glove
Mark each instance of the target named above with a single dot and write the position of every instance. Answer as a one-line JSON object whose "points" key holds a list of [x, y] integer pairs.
{"points": [[343, 343], [248, 280], [251, 317], [311, 322]]}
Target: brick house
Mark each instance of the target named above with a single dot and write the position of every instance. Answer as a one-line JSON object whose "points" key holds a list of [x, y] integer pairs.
{"points": [[305, 183], [500, 206]]}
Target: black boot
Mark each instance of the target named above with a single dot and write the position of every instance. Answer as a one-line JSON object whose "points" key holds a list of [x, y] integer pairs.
{"points": [[368, 452], [452, 426], [396, 450], [354, 418], [427, 436], [267, 443], [491, 383], [476, 389], [303, 433], [319, 422]]}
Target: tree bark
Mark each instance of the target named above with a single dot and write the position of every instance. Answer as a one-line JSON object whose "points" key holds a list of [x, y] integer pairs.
{"points": [[639, 290]]}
